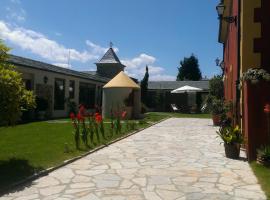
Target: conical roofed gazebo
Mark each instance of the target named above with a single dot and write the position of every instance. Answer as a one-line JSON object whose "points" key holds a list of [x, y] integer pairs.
{"points": [[122, 80], [121, 94]]}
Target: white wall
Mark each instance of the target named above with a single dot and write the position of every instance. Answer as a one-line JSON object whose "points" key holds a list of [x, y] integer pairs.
{"points": [[38, 78]]}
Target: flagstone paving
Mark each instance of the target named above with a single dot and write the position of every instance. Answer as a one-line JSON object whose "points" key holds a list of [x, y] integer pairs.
{"points": [[176, 159]]}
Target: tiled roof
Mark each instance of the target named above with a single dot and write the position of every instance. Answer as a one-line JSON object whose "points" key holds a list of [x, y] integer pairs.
{"points": [[26, 62], [109, 57], [172, 85]]}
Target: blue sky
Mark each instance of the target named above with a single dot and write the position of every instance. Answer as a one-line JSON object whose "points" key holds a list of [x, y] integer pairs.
{"points": [[155, 32]]}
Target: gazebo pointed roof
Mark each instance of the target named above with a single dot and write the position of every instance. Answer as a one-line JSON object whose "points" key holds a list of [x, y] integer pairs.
{"points": [[122, 80], [109, 57]]}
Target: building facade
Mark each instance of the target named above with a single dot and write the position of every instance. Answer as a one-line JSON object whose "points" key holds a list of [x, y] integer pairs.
{"points": [[60, 87], [161, 98], [246, 46]]}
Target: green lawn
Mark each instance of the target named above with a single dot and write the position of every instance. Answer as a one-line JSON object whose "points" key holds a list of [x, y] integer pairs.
{"points": [[263, 175], [29, 148]]}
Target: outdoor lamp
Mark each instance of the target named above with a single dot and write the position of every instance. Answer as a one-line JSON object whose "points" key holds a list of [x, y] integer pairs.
{"points": [[220, 10], [61, 87], [217, 61], [220, 63]]}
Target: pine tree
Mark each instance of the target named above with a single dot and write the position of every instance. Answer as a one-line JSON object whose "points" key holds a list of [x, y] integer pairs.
{"points": [[189, 69], [144, 86]]}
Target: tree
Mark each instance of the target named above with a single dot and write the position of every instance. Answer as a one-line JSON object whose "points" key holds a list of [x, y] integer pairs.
{"points": [[144, 86], [189, 69], [14, 98], [216, 87]]}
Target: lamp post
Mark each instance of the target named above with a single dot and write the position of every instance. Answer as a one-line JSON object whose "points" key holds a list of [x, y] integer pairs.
{"points": [[220, 10], [220, 64]]}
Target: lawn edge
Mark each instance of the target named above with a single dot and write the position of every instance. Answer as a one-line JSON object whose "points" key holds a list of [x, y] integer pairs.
{"points": [[23, 183]]}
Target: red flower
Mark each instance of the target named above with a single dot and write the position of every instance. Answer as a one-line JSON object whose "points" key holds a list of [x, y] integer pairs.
{"points": [[267, 108], [82, 110], [123, 115], [72, 116], [98, 118], [80, 117]]}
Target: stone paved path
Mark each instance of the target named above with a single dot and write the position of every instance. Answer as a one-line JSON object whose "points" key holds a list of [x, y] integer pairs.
{"points": [[176, 159]]}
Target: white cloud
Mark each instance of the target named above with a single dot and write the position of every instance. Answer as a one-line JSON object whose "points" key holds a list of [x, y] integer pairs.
{"points": [[64, 65], [96, 49], [39, 44], [15, 12], [136, 68]]}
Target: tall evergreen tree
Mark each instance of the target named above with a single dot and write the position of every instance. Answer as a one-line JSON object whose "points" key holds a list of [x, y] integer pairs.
{"points": [[189, 69], [144, 86]]}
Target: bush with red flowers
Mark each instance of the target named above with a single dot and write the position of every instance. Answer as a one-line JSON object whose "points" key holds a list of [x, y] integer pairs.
{"points": [[76, 125], [81, 117]]}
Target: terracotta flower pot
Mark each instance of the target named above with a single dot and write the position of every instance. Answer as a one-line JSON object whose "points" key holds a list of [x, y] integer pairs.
{"points": [[232, 150], [216, 120]]}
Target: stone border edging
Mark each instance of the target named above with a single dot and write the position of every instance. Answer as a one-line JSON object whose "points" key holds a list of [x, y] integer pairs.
{"points": [[66, 162]]}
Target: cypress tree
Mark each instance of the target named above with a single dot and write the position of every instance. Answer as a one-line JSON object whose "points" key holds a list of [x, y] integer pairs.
{"points": [[144, 86]]}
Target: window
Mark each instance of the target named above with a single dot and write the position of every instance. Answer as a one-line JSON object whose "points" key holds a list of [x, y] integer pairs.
{"points": [[87, 95], [59, 94], [71, 89], [27, 84]]}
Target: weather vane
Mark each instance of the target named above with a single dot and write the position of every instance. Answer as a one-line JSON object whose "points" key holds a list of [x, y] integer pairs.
{"points": [[111, 44]]}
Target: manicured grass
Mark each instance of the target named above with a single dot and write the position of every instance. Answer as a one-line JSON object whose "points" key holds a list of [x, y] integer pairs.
{"points": [[181, 115], [263, 175], [29, 148]]}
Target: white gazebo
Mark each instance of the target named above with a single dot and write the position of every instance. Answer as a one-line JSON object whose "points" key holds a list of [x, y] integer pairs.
{"points": [[191, 94], [119, 94]]}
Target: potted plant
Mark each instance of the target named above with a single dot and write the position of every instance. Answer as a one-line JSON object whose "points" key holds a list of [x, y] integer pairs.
{"points": [[232, 139], [263, 155], [216, 107], [217, 110], [254, 75]]}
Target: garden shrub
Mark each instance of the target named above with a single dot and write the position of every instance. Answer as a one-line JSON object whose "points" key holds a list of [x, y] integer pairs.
{"points": [[14, 98]]}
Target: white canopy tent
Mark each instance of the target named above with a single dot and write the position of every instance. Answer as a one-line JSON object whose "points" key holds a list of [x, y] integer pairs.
{"points": [[187, 89], [191, 94]]}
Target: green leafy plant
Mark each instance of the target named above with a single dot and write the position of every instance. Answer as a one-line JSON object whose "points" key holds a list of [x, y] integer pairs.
{"points": [[230, 135], [256, 74], [91, 127], [72, 106], [216, 87], [76, 132], [14, 97], [264, 153]]}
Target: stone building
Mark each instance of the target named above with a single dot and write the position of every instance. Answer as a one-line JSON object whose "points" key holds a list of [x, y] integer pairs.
{"points": [[58, 86]]}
